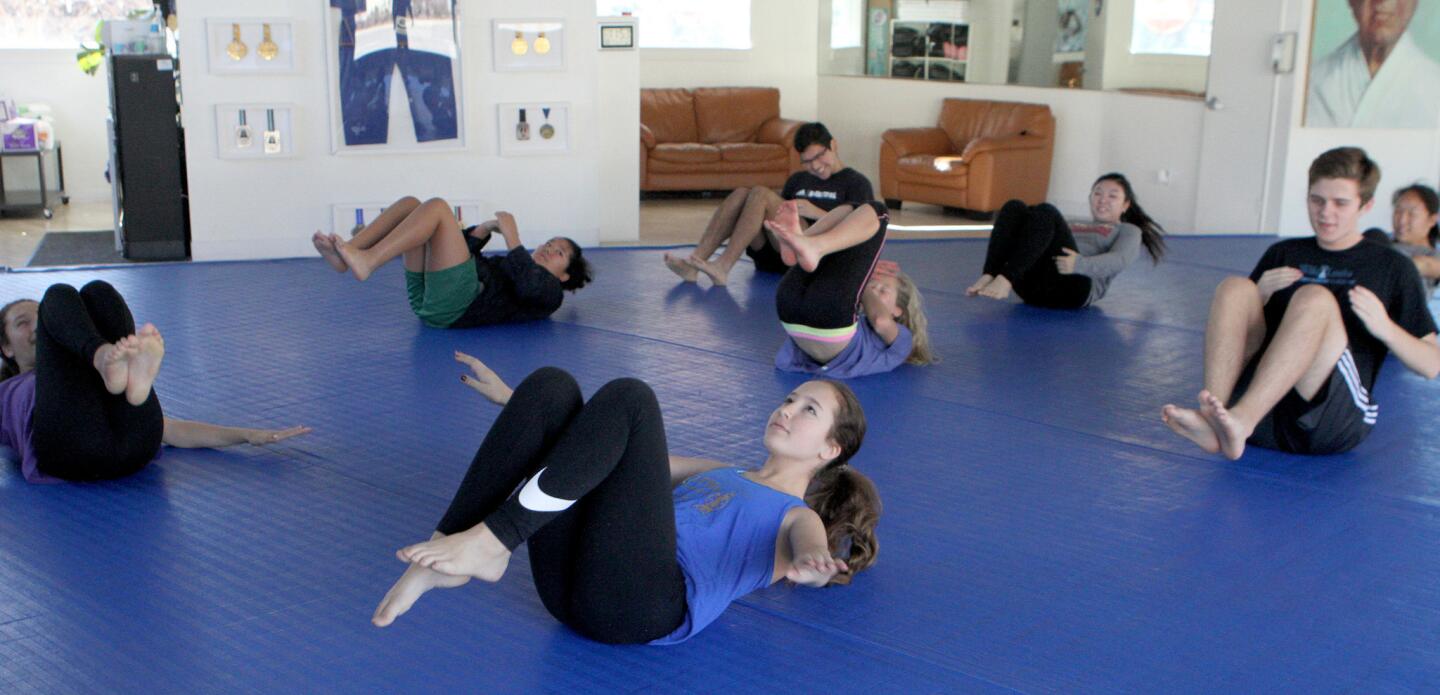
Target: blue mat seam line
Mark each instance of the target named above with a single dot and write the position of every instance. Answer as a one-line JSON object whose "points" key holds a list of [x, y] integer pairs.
{"points": [[1272, 476], [878, 646], [660, 341]]}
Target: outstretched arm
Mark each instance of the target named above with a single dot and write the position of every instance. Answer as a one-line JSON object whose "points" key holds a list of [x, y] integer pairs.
{"points": [[484, 380], [810, 561], [188, 434]]}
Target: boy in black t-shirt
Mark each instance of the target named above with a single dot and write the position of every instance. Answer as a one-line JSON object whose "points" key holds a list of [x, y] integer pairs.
{"points": [[824, 184], [1292, 352]]}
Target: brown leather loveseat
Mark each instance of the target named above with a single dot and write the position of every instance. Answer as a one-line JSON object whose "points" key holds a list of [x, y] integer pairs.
{"points": [[717, 138], [982, 154]]}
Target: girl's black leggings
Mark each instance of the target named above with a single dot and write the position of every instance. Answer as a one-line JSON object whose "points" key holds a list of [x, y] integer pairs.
{"points": [[606, 565], [1023, 247], [830, 296], [80, 430]]}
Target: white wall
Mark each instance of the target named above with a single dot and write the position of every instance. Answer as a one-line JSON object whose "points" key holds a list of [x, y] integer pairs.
{"points": [[80, 103], [784, 54], [1096, 132], [261, 209], [1404, 156]]}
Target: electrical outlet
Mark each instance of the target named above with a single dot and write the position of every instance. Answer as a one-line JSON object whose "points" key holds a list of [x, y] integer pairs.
{"points": [[1162, 176]]}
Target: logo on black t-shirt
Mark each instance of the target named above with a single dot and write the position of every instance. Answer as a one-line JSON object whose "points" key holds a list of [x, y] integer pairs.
{"points": [[813, 194], [1325, 275]]}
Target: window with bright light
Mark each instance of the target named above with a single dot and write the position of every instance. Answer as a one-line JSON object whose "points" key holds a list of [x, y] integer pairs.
{"points": [[58, 23], [847, 23], [723, 24], [1173, 27]]}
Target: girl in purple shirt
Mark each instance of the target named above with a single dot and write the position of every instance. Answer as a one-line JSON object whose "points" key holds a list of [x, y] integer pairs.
{"points": [[76, 396], [847, 313], [629, 544]]}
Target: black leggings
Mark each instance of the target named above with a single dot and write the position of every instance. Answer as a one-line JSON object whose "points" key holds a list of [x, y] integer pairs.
{"points": [[606, 566], [80, 430], [1023, 247], [830, 296]]}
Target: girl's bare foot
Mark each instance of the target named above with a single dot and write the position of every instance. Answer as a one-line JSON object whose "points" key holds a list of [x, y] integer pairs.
{"points": [[112, 361], [143, 363], [410, 587], [472, 553], [980, 284], [355, 259], [717, 273], [997, 288], [1191, 425], [326, 247], [1230, 430], [795, 248], [681, 268]]}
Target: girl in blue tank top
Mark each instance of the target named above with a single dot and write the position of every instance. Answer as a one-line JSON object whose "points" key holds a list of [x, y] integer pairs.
{"points": [[629, 544]]}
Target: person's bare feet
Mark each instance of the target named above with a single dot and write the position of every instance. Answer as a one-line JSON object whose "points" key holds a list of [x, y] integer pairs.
{"points": [[980, 284], [1230, 430], [1189, 424], [680, 267], [718, 273], [997, 288], [409, 588], [795, 247], [112, 360], [143, 362], [326, 246], [354, 258], [472, 553]]}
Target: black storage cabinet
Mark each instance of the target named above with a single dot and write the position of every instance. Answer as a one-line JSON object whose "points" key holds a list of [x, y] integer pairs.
{"points": [[149, 167]]}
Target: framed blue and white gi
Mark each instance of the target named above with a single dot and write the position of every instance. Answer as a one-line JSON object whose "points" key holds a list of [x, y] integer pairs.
{"points": [[411, 44]]}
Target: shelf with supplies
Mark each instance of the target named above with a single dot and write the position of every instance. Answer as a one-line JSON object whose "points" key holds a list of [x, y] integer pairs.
{"points": [[929, 50]]}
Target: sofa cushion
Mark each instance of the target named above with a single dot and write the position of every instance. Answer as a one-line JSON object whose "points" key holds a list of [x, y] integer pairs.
{"points": [[685, 153], [752, 152], [966, 119], [927, 165], [656, 166], [669, 114], [734, 114]]}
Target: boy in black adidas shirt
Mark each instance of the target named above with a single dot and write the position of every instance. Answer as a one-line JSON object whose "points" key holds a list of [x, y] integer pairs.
{"points": [[1293, 351], [822, 185]]}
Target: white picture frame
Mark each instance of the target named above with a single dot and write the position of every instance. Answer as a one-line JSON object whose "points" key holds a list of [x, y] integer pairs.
{"points": [[539, 139], [518, 44], [401, 134], [229, 144], [219, 32]]}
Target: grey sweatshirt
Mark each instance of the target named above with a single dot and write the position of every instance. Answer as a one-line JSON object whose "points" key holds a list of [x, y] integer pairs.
{"points": [[1105, 250]]}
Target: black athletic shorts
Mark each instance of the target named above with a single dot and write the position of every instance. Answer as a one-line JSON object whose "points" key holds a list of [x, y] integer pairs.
{"points": [[1339, 417]]}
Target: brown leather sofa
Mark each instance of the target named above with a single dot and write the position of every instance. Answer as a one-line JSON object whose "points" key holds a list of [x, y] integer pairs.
{"points": [[982, 154], [714, 139]]}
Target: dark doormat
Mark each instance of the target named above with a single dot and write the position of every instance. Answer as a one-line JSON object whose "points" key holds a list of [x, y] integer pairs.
{"points": [[77, 248]]}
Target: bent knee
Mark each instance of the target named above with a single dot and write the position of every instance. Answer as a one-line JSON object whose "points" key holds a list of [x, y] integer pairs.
{"points": [[1313, 298], [627, 392], [550, 379], [1237, 284], [408, 201]]}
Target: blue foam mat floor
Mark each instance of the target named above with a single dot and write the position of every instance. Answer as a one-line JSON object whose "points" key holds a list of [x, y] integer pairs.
{"points": [[1044, 532]]}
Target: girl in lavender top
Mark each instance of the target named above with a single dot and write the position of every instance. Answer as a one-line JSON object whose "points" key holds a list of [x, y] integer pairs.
{"points": [[76, 396], [847, 313]]}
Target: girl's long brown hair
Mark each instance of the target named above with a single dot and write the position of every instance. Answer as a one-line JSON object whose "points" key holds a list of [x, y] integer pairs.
{"points": [[846, 500]]}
